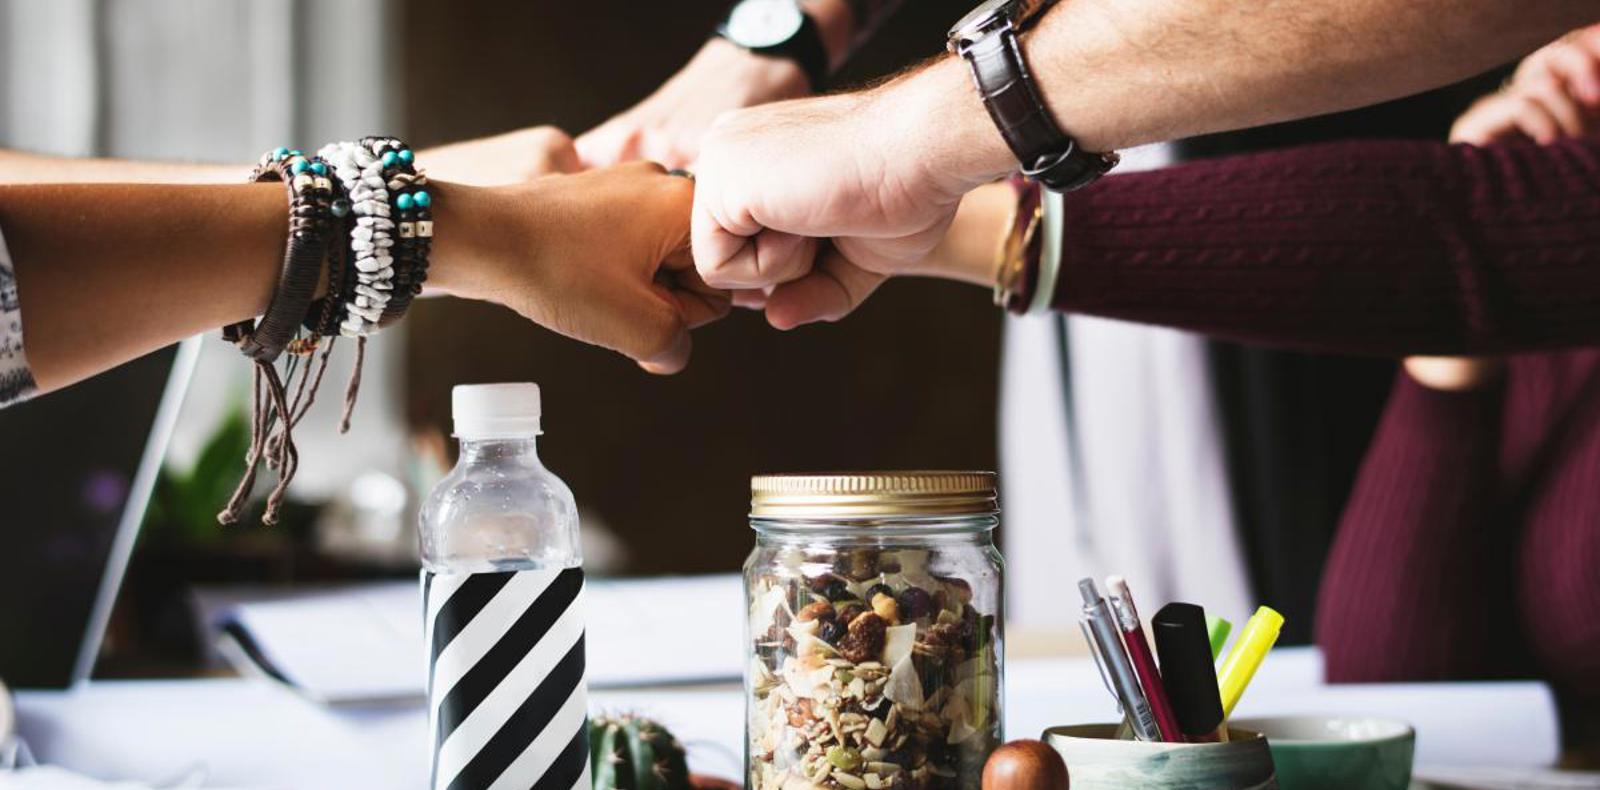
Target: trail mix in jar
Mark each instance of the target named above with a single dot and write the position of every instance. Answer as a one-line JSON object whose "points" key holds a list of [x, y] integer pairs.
{"points": [[869, 672]]}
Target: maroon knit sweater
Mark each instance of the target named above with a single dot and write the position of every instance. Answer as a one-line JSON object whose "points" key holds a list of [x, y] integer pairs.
{"points": [[1470, 546], [1359, 247]]}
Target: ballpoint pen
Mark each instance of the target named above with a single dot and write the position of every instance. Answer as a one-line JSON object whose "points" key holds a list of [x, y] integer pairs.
{"points": [[1258, 636], [1143, 662], [1188, 671], [1104, 630]]}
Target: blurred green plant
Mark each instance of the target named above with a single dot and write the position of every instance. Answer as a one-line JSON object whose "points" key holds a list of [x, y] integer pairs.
{"points": [[185, 503]]}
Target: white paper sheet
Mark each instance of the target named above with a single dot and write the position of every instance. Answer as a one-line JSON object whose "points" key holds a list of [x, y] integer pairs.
{"points": [[365, 643]]}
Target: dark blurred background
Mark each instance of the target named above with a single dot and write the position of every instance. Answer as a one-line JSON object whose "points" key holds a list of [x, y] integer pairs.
{"points": [[911, 380]]}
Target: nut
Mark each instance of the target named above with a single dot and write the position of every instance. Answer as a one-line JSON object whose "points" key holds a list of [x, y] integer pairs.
{"points": [[820, 610], [883, 604]]}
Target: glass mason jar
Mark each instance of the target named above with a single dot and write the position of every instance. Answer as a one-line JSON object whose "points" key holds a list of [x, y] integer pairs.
{"points": [[875, 612]]}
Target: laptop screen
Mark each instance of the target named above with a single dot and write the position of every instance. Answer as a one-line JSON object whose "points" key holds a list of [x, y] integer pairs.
{"points": [[68, 467]]}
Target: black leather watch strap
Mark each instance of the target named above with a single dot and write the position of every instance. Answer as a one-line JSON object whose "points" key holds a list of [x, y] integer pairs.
{"points": [[1045, 152]]}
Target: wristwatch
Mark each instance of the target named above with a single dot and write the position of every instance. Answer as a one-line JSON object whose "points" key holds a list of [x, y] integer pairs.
{"points": [[780, 29], [988, 39]]}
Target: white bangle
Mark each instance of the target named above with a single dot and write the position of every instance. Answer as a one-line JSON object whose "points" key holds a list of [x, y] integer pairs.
{"points": [[361, 170], [1049, 252]]}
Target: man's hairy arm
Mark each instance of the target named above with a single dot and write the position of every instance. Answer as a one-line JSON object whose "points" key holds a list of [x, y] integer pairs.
{"points": [[880, 173], [1123, 72]]}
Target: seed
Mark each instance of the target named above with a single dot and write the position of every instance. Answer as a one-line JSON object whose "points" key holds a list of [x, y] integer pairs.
{"points": [[844, 758]]}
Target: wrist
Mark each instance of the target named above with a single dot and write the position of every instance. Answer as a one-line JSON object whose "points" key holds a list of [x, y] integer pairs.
{"points": [[764, 78], [939, 108], [464, 243]]}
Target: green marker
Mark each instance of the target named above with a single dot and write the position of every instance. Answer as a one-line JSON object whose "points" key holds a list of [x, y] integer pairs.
{"points": [[1218, 629]]}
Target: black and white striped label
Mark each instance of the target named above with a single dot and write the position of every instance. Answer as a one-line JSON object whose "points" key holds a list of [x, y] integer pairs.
{"points": [[507, 706]]}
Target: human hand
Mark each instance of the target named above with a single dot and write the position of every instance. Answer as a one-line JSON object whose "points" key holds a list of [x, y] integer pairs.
{"points": [[599, 256], [816, 201], [508, 158], [1554, 93], [667, 126]]}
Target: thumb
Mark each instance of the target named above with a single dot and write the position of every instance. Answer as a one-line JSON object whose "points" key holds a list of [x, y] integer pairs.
{"points": [[828, 293], [740, 253]]}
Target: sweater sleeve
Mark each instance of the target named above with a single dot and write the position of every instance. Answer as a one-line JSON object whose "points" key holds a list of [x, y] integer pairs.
{"points": [[1418, 584], [1365, 247]]}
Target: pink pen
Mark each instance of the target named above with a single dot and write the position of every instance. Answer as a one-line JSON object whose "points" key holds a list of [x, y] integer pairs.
{"points": [[1143, 662]]}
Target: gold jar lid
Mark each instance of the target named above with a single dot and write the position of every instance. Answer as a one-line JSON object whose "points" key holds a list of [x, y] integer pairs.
{"points": [[873, 495]]}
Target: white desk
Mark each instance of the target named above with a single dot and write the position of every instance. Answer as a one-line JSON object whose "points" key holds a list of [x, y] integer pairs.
{"points": [[255, 734]]}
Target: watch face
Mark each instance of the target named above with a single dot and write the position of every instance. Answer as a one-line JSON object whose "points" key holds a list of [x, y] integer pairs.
{"points": [[756, 24], [992, 13]]}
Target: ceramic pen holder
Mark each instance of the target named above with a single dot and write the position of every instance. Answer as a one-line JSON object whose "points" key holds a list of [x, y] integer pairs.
{"points": [[1097, 760]]}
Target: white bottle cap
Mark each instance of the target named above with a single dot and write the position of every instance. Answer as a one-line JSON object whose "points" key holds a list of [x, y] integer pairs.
{"points": [[496, 411]]}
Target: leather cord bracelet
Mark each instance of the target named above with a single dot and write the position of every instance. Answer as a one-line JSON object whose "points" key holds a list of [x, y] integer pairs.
{"points": [[272, 413], [310, 193]]}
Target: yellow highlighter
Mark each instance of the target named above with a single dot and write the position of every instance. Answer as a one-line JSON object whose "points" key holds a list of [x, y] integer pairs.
{"points": [[1249, 649]]}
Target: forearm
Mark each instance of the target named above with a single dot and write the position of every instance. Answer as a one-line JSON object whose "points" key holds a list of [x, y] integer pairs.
{"points": [[1117, 73], [970, 248], [18, 167], [108, 272], [1386, 248]]}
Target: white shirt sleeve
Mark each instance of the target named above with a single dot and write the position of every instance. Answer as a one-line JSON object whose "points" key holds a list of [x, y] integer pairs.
{"points": [[16, 381]]}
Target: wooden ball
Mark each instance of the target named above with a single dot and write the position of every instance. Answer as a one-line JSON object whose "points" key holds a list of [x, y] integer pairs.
{"points": [[1025, 765]]}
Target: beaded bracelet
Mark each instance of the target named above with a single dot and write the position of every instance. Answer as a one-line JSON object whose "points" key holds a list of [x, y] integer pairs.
{"points": [[371, 238], [413, 217]]}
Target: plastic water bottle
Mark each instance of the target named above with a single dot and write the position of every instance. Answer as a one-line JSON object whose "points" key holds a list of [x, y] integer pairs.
{"points": [[502, 584]]}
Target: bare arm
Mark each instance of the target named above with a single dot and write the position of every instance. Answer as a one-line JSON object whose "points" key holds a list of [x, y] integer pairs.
{"points": [[21, 167], [1123, 72], [106, 272], [881, 172], [500, 159]]}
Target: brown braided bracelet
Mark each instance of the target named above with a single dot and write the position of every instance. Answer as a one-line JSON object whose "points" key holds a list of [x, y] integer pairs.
{"points": [[310, 194]]}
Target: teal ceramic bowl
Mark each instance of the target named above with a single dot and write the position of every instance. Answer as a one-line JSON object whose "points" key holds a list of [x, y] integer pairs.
{"points": [[1338, 752], [1097, 761]]}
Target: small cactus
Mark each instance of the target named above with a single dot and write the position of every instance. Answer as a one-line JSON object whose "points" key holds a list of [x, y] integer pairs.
{"points": [[630, 752]]}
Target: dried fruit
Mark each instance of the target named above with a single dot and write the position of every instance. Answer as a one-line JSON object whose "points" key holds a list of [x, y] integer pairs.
{"points": [[878, 693], [915, 603], [829, 586], [821, 610], [850, 610], [858, 565], [830, 631], [864, 640]]}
